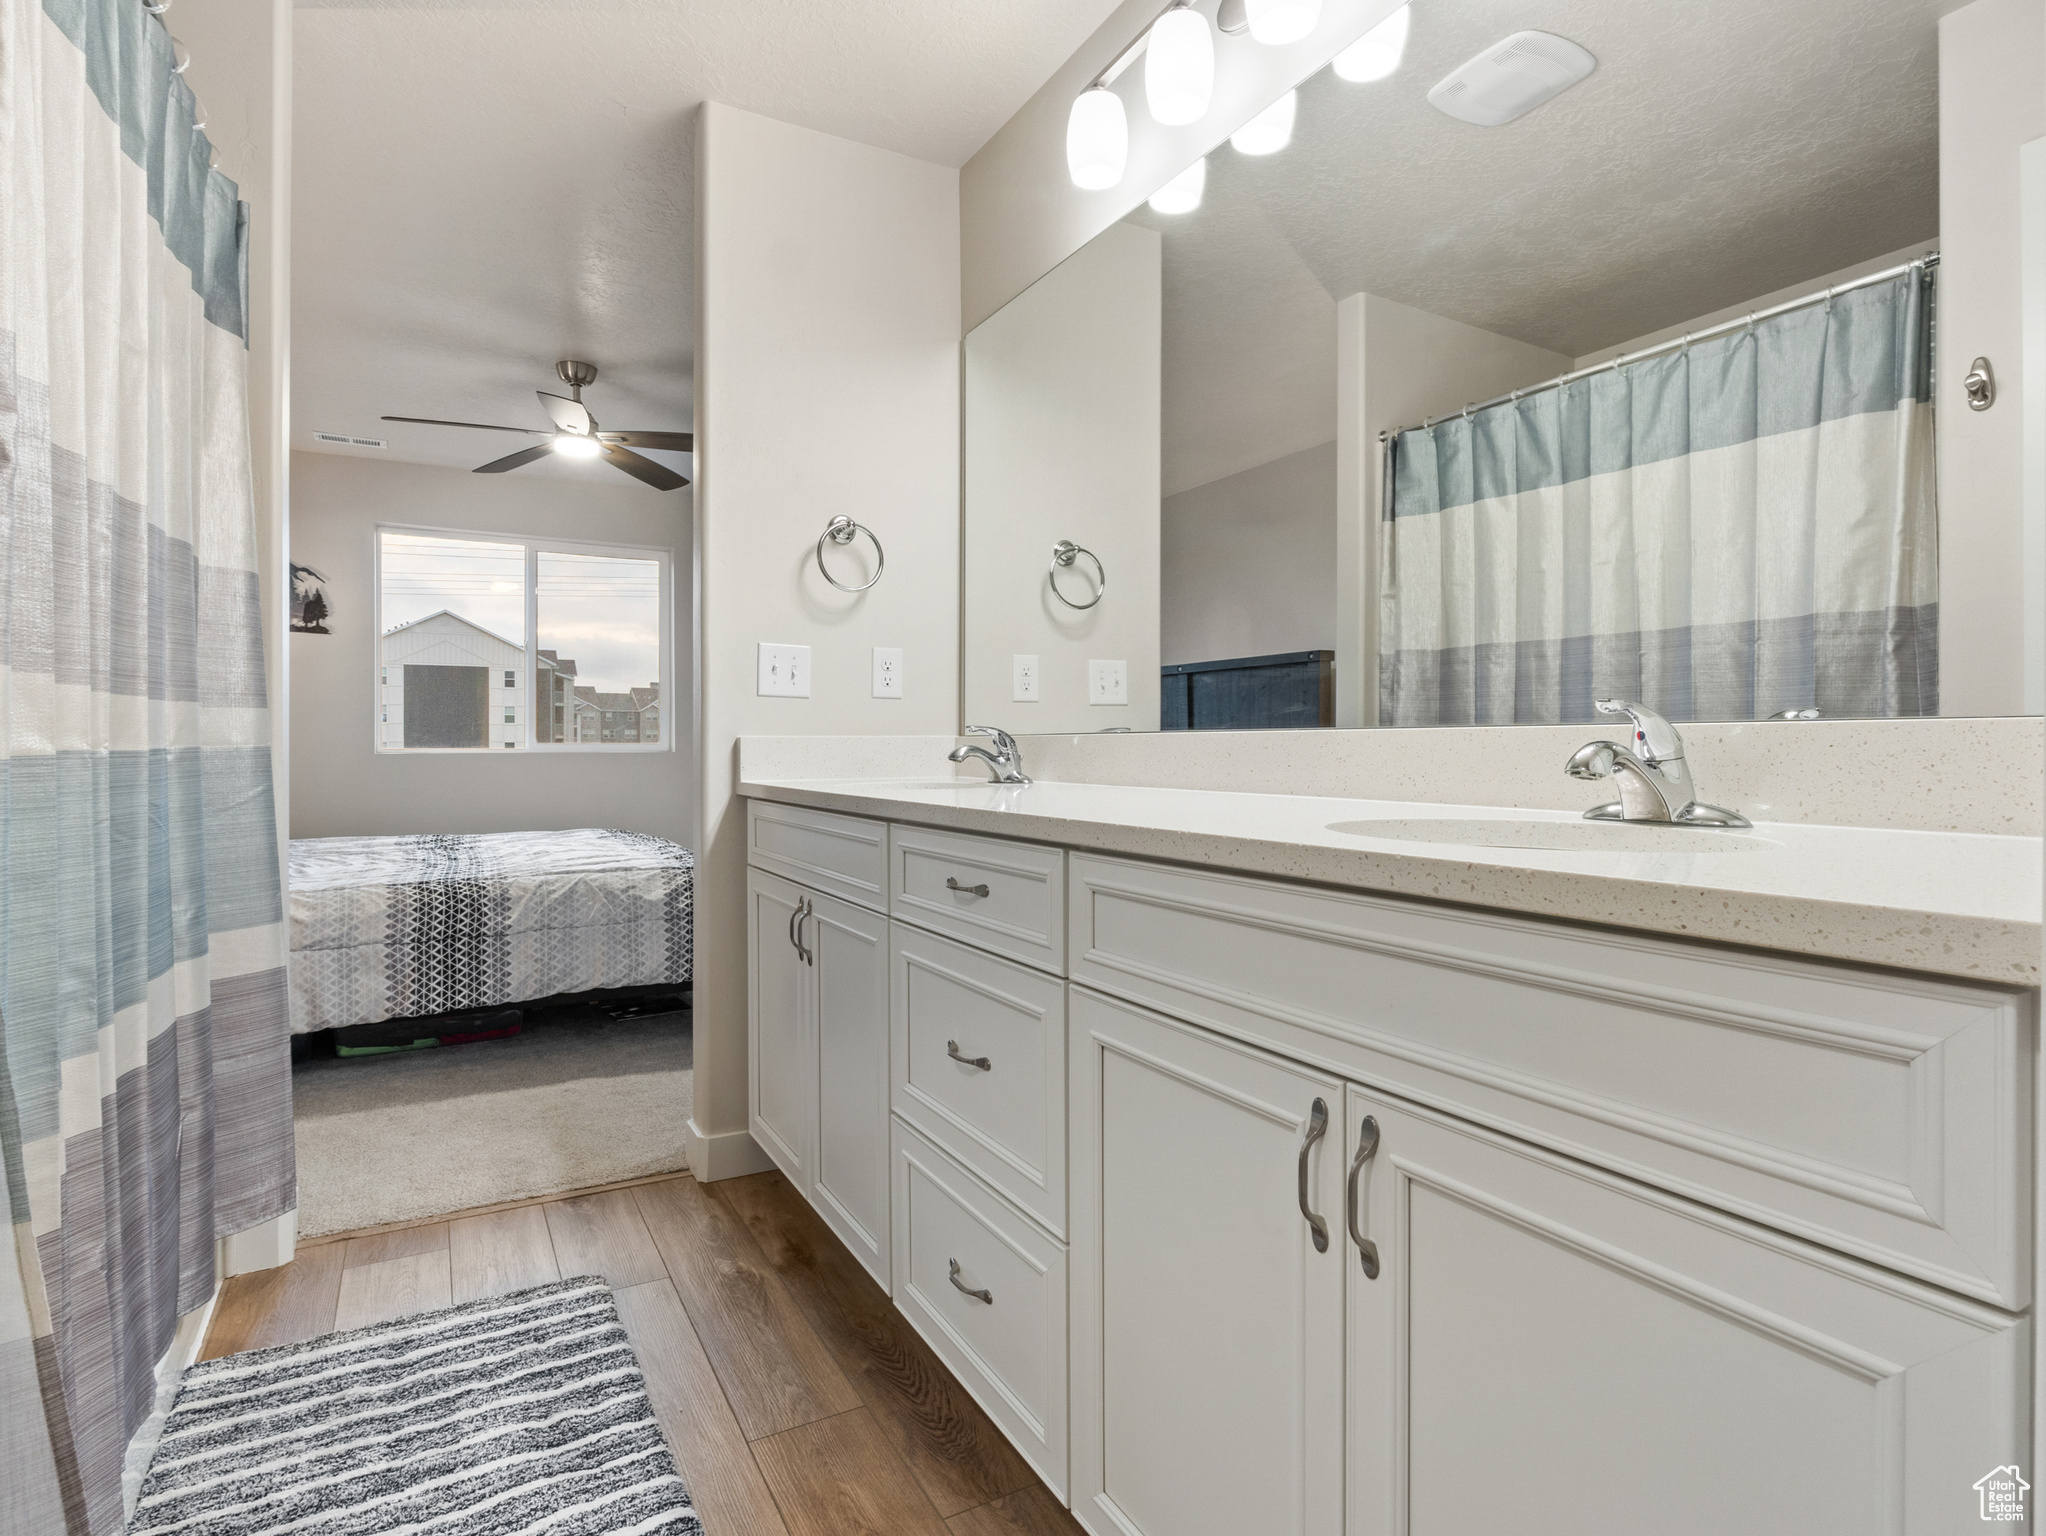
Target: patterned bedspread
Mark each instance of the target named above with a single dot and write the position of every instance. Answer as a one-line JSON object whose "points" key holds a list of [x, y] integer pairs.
{"points": [[397, 927]]}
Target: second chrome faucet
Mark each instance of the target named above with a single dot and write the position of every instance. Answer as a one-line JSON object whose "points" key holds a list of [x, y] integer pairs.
{"points": [[1650, 772], [1005, 763]]}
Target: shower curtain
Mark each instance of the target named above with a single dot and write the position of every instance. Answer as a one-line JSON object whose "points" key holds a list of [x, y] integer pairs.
{"points": [[1738, 527], [145, 1095]]}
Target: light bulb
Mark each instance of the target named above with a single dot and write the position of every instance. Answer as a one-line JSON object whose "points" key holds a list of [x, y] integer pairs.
{"points": [[1377, 53], [1182, 194], [571, 445], [1270, 131], [1097, 139], [1179, 66], [1282, 21]]}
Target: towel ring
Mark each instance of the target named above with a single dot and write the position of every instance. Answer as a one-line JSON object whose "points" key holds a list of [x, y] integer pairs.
{"points": [[842, 530], [1063, 554]]}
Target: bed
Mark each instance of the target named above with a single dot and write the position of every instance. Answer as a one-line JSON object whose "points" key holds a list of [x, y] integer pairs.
{"points": [[406, 927]]}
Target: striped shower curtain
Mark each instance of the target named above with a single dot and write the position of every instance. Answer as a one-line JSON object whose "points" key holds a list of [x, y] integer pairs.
{"points": [[1741, 526], [144, 1060]]}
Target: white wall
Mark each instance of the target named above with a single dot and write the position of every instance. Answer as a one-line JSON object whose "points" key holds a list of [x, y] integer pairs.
{"points": [[1248, 564], [340, 785], [827, 382], [1021, 215], [1395, 367], [1062, 442], [1992, 93]]}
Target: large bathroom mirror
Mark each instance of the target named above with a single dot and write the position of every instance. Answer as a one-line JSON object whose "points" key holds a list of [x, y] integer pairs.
{"points": [[1660, 390]]}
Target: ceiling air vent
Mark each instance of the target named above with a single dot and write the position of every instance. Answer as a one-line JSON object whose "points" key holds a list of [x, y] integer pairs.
{"points": [[1512, 78], [349, 442]]}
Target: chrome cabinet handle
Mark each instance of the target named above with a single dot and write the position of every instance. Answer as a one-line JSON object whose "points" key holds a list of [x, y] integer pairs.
{"points": [[1317, 1127], [1367, 1147], [952, 1050], [965, 890], [795, 913], [958, 1284], [804, 911]]}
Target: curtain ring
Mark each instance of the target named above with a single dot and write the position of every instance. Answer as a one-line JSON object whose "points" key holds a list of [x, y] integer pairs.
{"points": [[843, 530], [181, 57], [1063, 554]]}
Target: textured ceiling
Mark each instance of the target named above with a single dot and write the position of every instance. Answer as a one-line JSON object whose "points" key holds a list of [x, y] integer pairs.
{"points": [[484, 188], [1718, 152]]}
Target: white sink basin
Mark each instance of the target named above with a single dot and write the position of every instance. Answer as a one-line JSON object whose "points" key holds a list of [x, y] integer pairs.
{"points": [[1557, 836]]}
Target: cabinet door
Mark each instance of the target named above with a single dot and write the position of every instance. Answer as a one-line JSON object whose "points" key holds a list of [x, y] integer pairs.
{"points": [[1551, 1349], [849, 1167], [1207, 1340], [782, 1064]]}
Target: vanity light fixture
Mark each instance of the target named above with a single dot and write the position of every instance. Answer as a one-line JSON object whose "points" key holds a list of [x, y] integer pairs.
{"points": [[1179, 66], [573, 445], [1377, 53], [1281, 21], [1182, 194], [1097, 139], [1270, 131]]}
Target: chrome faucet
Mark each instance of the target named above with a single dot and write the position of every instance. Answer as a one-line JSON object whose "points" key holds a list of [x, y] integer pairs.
{"points": [[1005, 762], [1653, 778]]}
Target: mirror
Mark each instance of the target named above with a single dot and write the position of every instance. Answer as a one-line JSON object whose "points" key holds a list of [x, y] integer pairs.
{"points": [[1656, 390]]}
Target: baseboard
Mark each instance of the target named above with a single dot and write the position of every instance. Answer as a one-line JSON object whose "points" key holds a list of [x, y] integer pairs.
{"points": [[727, 1155], [264, 1247]]}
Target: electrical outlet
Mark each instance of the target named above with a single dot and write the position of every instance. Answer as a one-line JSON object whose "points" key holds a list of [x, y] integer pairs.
{"points": [[1108, 682], [784, 671], [887, 672], [1023, 679]]}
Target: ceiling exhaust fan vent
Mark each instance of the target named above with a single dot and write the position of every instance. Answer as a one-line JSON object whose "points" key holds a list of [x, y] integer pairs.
{"points": [[351, 442], [1512, 78]]}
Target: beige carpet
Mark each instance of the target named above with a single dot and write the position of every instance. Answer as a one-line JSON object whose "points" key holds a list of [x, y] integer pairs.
{"points": [[565, 1105]]}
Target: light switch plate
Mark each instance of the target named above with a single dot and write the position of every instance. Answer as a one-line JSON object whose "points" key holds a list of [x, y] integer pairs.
{"points": [[1023, 679], [1108, 682], [784, 671], [887, 672]]}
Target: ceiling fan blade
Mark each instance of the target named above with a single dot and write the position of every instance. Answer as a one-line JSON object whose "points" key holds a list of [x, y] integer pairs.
{"points": [[569, 415], [480, 426], [514, 460], [683, 442], [659, 476]]}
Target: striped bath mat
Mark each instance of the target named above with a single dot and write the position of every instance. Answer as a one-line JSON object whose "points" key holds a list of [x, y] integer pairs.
{"points": [[520, 1414]]}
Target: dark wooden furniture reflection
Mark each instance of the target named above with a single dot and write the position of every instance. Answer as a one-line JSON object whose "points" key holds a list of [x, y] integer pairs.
{"points": [[1292, 691]]}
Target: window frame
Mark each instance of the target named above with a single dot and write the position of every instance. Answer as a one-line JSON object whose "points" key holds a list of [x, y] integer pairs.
{"points": [[533, 547]]}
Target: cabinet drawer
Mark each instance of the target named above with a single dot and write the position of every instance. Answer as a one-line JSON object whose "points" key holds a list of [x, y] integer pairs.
{"points": [[980, 1064], [1884, 1115], [1008, 1344], [843, 855], [1004, 896]]}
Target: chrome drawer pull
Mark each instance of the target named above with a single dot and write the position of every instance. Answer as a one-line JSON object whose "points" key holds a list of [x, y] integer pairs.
{"points": [[952, 1050], [1317, 1127], [952, 884], [1367, 1146], [986, 1296], [804, 911]]}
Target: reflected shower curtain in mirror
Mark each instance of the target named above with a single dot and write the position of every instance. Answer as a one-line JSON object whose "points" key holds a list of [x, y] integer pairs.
{"points": [[1738, 527], [145, 1091]]}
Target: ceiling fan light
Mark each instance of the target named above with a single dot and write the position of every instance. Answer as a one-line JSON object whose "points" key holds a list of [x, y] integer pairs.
{"points": [[1179, 67], [1097, 139], [1377, 53], [571, 445], [1270, 131], [1182, 194], [1282, 21]]}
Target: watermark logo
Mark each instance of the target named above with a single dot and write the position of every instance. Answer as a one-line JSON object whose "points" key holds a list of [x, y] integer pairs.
{"points": [[2003, 1495]]}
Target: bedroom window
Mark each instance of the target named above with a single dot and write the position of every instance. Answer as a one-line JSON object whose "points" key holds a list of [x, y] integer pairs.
{"points": [[582, 629]]}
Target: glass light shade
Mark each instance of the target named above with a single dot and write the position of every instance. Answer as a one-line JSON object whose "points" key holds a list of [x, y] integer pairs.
{"points": [[1377, 53], [571, 446], [1097, 139], [1179, 67], [1281, 21], [1182, 194], [1270, 131]]}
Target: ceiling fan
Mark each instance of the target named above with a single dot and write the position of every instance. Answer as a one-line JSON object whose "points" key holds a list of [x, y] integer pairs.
{"points": [[575, 435]]}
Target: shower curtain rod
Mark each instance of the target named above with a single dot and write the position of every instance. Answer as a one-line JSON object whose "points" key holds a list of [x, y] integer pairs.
{"points": [[1825, 295]]}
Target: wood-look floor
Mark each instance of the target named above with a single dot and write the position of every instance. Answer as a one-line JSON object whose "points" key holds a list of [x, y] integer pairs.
{"points": [[797, 1400]]}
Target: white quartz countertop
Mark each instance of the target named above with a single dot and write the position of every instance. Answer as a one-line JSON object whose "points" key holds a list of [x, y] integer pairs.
{"points": [[1957, 904]]}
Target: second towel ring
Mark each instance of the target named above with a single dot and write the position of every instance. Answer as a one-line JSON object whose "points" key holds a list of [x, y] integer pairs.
{"points": [[842, 530], [1063, 554]]}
